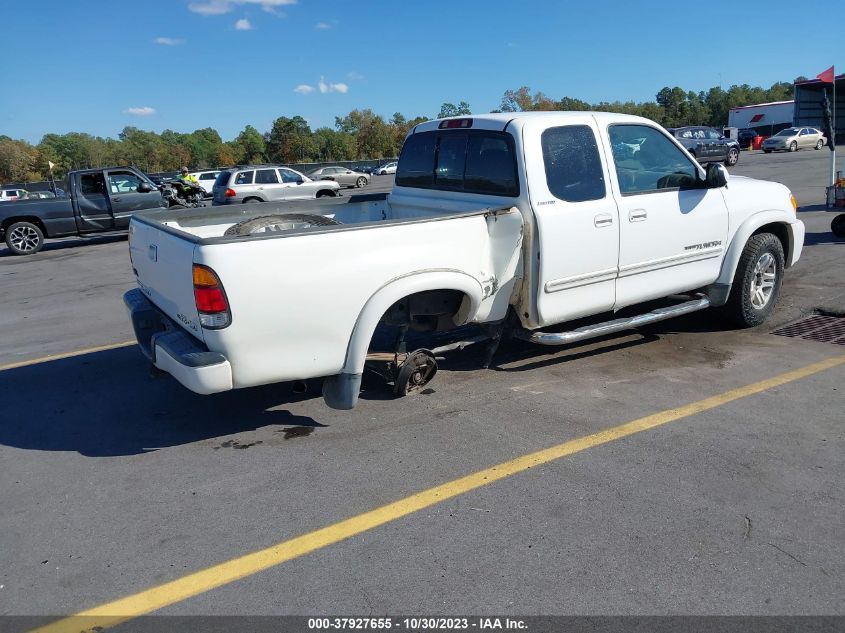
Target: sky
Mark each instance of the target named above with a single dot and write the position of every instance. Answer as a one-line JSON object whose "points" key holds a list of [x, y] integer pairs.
{"points": [[97, 66]]}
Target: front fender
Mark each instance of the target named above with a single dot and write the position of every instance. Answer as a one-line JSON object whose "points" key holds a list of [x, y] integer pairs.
{"points": [[795, 240]]}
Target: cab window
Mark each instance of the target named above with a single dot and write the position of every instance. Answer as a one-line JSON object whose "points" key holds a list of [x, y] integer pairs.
{"points": [[647, 161], [573, 166], [123, 182]]}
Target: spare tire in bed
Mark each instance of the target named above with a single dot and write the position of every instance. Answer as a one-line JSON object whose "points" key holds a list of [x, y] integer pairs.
{"points": [[278, 223]]}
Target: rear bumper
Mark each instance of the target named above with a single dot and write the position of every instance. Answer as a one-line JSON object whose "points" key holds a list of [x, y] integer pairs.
{"points": [[174, 351]]}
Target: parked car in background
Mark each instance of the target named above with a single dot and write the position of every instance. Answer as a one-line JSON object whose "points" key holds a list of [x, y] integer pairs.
{"points": [[341, 175], [795, 138], [364, 169], [39, 195], [745, 137], [12, 194], [206, 179], [99, 200], [267, 183], [390, 168], [707, 144]]}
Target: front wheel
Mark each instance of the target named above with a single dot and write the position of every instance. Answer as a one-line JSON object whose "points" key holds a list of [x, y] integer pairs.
{"points": [[361, 182], [757, 281], [793, 146], [819, 144], [767, 151], [837, 226], [733, 157], [24, 238]]}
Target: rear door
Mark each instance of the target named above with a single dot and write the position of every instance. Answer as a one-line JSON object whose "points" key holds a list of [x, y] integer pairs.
{"points": [[806, 138], [577, 220], [267, 184], [124, 197], [93, 209], [672, 231]]}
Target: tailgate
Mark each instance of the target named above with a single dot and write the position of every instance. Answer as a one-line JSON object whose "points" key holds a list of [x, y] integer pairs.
{"points": [[163, 264]]}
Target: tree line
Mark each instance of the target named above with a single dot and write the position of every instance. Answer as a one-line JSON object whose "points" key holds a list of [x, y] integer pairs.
{"points": [[360, 135]]}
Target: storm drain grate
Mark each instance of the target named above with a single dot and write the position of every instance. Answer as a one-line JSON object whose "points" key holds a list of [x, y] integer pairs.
{"points": [[825, 329]]}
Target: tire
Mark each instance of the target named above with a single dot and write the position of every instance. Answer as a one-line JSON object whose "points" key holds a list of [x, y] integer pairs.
{"points": [[793, 146], [326, 193], [278, 223], [837, 226], [757, 281], [733, 157], [24, 238], [361, 182], [819, 144], [252, 200], [767, 151]]}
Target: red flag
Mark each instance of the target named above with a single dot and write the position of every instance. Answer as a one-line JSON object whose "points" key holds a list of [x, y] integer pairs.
{"points": [[826, 76]]}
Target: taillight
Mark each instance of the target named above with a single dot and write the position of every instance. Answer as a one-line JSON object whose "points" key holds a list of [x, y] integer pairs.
{"points": [[210, 298], [230, 193]]}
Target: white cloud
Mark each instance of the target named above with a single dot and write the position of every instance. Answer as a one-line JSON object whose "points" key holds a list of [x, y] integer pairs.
{"points": [[338, 87], [168, 41], [243, 25], [354, 76], [144, 111], [304, 89], [219, 7], [322, 26]]}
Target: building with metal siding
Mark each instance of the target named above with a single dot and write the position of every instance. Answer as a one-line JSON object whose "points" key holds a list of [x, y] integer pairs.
{"points": [[808, 104], [764, 118]]}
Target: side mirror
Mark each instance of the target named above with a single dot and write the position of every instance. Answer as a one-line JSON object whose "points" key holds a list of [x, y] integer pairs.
{"points": [[144, 187], [717, 176], [299, 181]]}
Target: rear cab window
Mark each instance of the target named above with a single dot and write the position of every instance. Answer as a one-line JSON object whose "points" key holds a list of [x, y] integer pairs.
{"points": [[574, 171], [472, 161]]}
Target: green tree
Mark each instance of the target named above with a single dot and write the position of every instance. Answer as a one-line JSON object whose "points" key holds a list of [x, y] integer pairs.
{"points": [[290, 141], [18, 161], [450, 109], [249, 146]]}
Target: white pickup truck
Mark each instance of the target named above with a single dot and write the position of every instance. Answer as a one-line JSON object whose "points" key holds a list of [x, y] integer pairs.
{"points": [[515, 222]]}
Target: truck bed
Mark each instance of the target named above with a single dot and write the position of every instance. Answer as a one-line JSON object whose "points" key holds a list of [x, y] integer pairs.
{"points": [[207, 225]]}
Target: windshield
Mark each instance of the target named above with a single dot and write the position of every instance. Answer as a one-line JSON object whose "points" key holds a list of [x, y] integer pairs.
{"points": [[788, 132]]}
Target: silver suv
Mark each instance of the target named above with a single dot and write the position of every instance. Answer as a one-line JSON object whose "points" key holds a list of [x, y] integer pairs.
{"points": [[268, 183]]}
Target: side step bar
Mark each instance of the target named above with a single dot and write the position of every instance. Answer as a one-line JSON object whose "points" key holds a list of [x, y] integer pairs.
{"points": [[611, 327]]}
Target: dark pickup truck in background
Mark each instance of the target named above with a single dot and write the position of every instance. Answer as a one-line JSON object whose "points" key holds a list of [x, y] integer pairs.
{"points": [[97, 200]]}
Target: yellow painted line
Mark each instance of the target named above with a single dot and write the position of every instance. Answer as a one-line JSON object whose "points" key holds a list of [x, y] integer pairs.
{"points": [[149, 600], [79, 352]]}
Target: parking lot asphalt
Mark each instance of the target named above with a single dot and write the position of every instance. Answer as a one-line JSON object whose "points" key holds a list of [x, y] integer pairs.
{"points": [[115, 482]]}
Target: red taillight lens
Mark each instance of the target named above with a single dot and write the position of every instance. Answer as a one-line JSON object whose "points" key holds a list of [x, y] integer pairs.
{"points": [[210, 298], [230, 193]]}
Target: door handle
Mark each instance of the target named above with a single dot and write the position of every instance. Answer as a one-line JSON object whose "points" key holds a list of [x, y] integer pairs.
{"points": [[603, 219], [637, 215], [115, 199]]}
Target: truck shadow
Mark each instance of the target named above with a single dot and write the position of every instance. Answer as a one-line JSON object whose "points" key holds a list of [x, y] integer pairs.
{"points": [[825, 237], [104, 404]]}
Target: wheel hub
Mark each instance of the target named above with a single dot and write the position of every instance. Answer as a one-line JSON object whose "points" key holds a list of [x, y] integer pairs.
{"points": [[24, 238], [763, 281]]}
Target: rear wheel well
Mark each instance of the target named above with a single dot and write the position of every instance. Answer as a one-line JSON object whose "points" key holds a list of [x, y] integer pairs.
{"points": [[427, 311], [24, 218], [780, 231]]}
